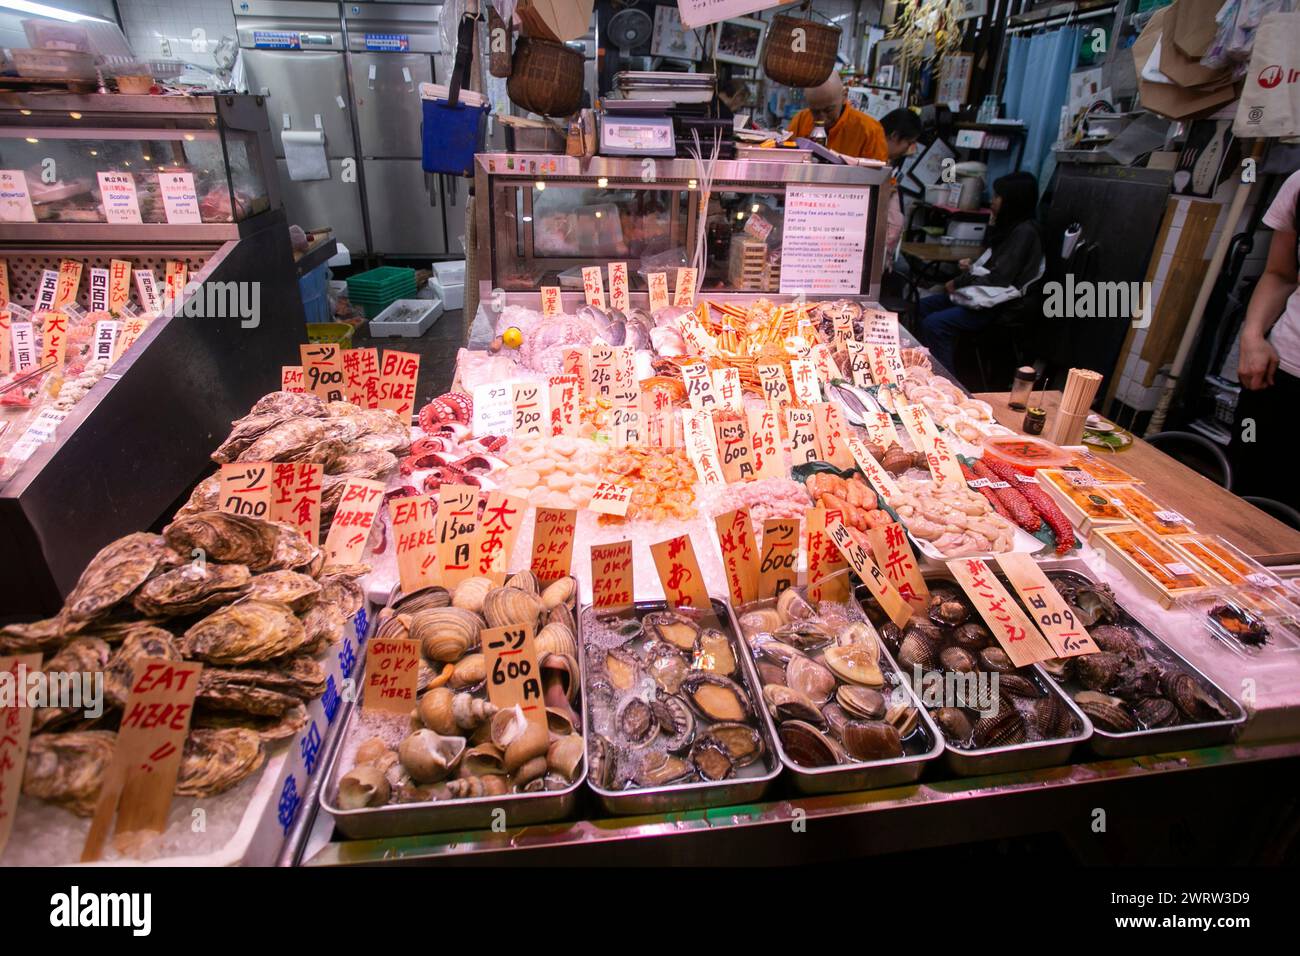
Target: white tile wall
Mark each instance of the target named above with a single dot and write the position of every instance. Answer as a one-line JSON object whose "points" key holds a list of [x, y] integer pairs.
{"points": [[147, 23]]}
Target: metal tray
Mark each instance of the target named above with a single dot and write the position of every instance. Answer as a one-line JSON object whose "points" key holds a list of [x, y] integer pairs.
{"points": [[1035, 755], [685, 796], [859, 775], [1106, 743]]}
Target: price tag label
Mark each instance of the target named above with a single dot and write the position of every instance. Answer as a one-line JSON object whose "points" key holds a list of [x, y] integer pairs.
{"points": [[880, 479], [737, 451], [739, 555], [353, 519], [54, 339], [880, 429], [593, 286], [22, 339], [106, 332], [880, 328], [611, 576], [15, 731], [825, 582], [392, 674], [679, 573], [98, 290], [804, 374], [138, 785], [778, 555], [174, 280], [4, 284], [832, 434], [494, 409], [514, 678], [619, 299], [627, 426], [823, 360], [15, 200], [291, 379], [532, 414], [48, 290], [553, 537], [69, 283], [698, 340], [494, 539], [626, 393], [843, 331], [246, 489], [146, 288], [882, 590], [322, 367], [132, 329], [457, 519], [658, 283], [886, 366], [296, 488], [894, 556], [802, 426], [702, 446], [939, 453], [416, 534], [117, 193], [6, 340], [699, 387], [726, 386], [397, 379], [1051, 612], [602, 371], [1081, 479], [563, 390], [658, 424], [859, 364], [180, 200], [685, 293], [610, 499], [119, 285], [552, 302], [361, 377], [577, 362], [765, 435], [1017, 634], [776, 390]]}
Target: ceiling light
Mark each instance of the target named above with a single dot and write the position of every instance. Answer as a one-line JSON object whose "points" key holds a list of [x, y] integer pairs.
{"points": [[44, 10]]}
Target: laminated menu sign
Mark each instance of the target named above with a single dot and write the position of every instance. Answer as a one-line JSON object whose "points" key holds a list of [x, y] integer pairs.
{"points": [[106, 332], [296, 488], [1053, 615], [117, 194], [679, 573], [54, 339], [610, 499], [552, 303], [593, 286], [776, 390], [15, 731], [894, 556], [392, 674], [803, 435], [563, 392], [619, 299], [457, 519], [494, 409], [119, 285], [361, 377], [831, 435], [612, 588], [880, 328], [398, 374], [98, 290], [804, 374], [736, 449], [69, 282], [777, 556], [415, 531], [138, 784], [513, 677], [880, 479], [47, 291], [859, 364], [40, 431], [532, 416], [726, 385], [180, 201], [939, 453], [246, 489], [146, 288], [825, 583], [765, 434], [322, 365], [553, 537], [353, 520], [291, 379], [824, 238], [494, 539], [739, 555], [658, 287], [601, 370], [685, 292], [15, 200], [882, 590], [1013, 630], [699, 387]]}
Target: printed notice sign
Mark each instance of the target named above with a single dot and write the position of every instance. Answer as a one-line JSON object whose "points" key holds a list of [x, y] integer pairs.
{"points": [[117, 191], [180, 200], [15, 200], [825, 236]]}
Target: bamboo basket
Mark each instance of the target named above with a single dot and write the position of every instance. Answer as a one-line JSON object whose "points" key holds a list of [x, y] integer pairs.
{"points": [[800, 60], [545, 77]]}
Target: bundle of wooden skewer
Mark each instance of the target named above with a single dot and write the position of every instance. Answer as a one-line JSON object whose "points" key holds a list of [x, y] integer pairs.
{"points": [[1080, 389]]}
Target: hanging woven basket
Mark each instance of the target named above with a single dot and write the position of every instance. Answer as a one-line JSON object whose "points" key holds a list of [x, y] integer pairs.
{"points": [[799, 52], [546, 77]]}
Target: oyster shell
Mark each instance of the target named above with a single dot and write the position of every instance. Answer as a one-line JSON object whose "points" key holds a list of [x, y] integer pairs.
{"points": [[230, 539], [223, 688], [216, 760], [84, 655], [290, 403], [286, 440], [323, 624], [245, 633], [191, 588], [292, 550], [269, 727], [374, 464], [285, 587], [341, 586], [69, 769], [716, 698], [37, 636], [143, 642], [114, 573]]}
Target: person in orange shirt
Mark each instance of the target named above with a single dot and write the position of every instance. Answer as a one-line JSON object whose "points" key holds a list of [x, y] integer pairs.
{"points": [[849, 131]]}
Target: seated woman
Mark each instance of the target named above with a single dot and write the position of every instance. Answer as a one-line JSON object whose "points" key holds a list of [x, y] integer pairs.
{"points": [[1013, 260]]}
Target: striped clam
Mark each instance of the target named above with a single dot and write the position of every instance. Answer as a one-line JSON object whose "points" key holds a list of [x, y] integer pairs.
{"points": [[509, 606], [446, 634]]}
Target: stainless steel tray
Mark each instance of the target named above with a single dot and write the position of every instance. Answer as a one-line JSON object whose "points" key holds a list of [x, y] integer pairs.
{"points": [[1106, 743], [1034, 755], [685, 796], [858, 775]]}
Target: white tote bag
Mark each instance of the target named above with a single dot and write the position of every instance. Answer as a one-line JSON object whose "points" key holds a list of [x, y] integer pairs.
{"points": [[1270, 101]]}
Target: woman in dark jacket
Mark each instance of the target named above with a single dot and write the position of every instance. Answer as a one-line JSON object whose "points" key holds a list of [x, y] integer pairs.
{"points": [[1014, 259]]}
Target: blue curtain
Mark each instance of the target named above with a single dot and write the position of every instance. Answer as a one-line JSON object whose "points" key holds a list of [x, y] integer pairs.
{"points": [[1038, 84]]}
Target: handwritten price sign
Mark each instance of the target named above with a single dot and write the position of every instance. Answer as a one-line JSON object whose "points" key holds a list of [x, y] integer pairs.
{"points": [[513, 675], [246, 489], [779, 552], [1013, 630], [353, 520]]}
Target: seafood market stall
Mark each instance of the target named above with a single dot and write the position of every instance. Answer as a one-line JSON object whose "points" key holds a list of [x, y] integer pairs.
{"points": [[148, 299]]}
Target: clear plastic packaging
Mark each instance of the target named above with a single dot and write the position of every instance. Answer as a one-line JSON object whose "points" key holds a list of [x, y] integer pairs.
{"points": [[1248, 622]]}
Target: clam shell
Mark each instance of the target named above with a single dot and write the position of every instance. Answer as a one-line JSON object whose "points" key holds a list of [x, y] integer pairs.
{"points": [[446, 634], [955, 724], [1105, 711], [507, 606], [997, 660], [1157, 712], [855, 663], [863, 702], [762, 621], [469, 671], [523, 580], [1004, 728], [1017, 685], [600, 762], [904, 718], [918, 651], [660, 769], [786, 704], [559, 592], [810, 678], [470, 593], [1099, 671], [972, 635], [555, 639], [1051, 718], [871, 740], [769, 673], [792, 607], [806, 745], [425, 599], [957, 659]]}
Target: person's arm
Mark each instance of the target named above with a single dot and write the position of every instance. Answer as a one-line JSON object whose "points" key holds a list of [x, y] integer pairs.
{"points": [[1018, 251], [1258, 359]]}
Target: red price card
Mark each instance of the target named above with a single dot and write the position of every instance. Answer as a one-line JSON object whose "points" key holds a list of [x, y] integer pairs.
{"points": [[296, 488], [322, 365], [494, 538], [69, 283], [397, 379], [826, 580], [778, 554], [577, 362], [54, 340], [895, 558], [291, 379], [392, 673], [414, 527], [15, 730], [611, 576], [246, 489], [739, 555], [1016, 633], [137, 788], [353, 519], [457, 520], [553, 537], [513, 677], [679, 573]]}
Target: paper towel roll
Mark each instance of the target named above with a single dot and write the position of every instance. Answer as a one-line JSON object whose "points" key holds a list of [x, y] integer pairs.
{"points": [[304, 154]]}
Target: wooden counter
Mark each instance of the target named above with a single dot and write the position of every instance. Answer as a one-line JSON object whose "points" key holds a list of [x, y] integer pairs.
{"points": [[1212, 509]]}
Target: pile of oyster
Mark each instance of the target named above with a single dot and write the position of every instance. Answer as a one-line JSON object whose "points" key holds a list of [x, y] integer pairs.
{"points": [[951, 648], [249, 598], [667, 702], [831, 693], [459, 744], [1120, 687], [349, 441]]}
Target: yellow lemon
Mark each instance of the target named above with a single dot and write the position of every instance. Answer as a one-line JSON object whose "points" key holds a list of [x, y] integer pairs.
{"points": [[512, 337]]}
